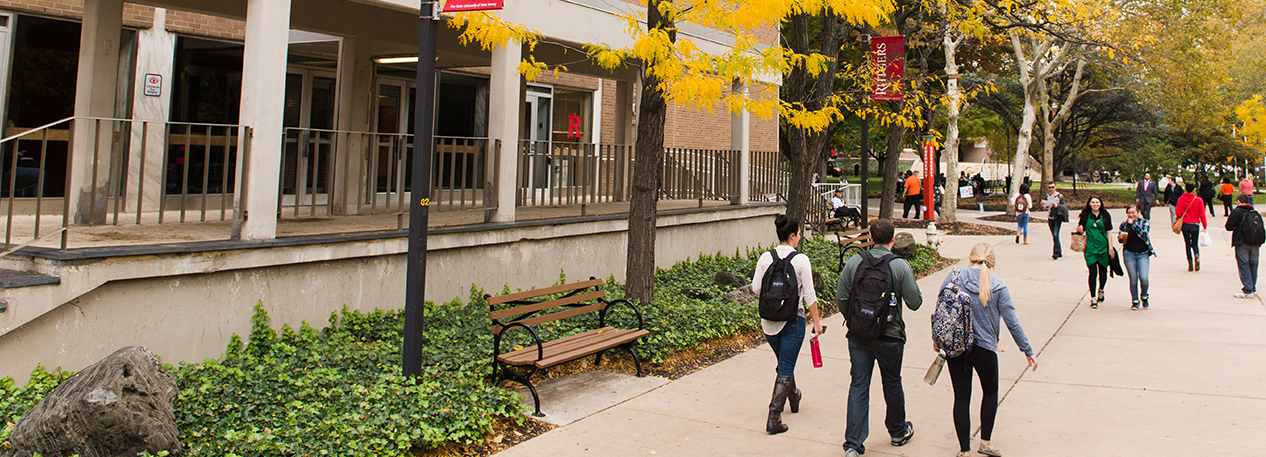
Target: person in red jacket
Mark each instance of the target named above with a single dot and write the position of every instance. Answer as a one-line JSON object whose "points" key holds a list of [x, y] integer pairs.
{"points": [[1192, 222]]}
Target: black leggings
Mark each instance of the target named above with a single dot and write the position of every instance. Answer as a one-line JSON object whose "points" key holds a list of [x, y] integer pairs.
{"points": [[1098, 270], [986, 364]]}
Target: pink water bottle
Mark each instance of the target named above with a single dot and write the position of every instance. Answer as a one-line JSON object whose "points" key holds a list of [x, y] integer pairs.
{"points": [[817, 352]]}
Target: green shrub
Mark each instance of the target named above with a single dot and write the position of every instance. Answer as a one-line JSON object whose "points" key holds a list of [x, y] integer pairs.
{"points": [[339, 391]]}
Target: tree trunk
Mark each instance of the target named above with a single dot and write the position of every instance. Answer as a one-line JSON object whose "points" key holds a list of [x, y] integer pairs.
{"points": [[652, 110], [896, 136], [949, 203], [1022, 142]]}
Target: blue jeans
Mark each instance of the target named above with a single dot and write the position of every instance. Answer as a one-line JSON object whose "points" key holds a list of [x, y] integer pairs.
{"points": [[1137, 265], [786, 345], [1246, 260], [864, 354], [1054, 224], [1023, 221]]}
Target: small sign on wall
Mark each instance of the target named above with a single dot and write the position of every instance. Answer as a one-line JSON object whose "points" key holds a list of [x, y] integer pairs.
{"points": [[153, 85]]}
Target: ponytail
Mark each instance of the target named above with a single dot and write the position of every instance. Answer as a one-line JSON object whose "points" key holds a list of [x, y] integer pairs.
{"points": [[982, 254]]}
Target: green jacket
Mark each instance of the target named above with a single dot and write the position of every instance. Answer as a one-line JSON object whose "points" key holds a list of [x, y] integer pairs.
{"points": [[905, 286]]}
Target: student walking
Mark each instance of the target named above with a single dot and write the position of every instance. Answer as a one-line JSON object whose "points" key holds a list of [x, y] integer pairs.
{"points": [[786, 337], [1207, 193], [1247, 236], [1136, 253], [1022, 204], [990, 303], [1191, 212], [877, 281], [1246, 185], [1172, 192], [1226, 194], [914, 195], [1096, 224], [1056, 215]]}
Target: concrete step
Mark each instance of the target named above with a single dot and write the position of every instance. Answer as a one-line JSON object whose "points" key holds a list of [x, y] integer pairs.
{"points": [[10, 279]]}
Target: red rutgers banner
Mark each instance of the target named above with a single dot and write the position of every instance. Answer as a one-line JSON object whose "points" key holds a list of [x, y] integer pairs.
{"points": [[888, 55], [453, 6]]}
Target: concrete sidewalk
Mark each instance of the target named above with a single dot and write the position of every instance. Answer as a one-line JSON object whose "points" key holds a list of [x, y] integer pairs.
{"points": [[1183, 377]]}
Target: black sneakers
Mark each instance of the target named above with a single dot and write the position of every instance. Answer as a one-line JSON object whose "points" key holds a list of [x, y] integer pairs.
{"points": [[902, 440]]}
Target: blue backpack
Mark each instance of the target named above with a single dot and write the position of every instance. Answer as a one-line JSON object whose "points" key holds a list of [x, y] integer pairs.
{"points": [[951, 322]]}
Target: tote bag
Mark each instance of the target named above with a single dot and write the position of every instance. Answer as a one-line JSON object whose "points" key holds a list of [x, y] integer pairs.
{"points": [[1079, 242], [1178, 223]]}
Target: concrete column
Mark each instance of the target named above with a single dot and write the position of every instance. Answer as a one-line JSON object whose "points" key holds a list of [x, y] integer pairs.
{"points": [[741, 140], [355, 100], [263, 97], [595, 127], [624, 132], [505, 100], [155, 55], [95, 89]]}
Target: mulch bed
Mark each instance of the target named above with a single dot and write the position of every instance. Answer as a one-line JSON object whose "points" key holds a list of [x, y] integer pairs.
{"points": [[1009, 218], [506, 432], [955, 228]]}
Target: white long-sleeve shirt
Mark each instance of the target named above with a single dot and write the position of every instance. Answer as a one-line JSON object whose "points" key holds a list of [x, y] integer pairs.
{"points": [[804, 275]]}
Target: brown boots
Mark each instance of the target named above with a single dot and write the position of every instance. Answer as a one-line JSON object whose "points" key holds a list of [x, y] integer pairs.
{"points": [[784, 389], [1193, 265]]}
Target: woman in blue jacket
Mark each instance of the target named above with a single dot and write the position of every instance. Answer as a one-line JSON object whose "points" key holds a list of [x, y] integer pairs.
{"points": [[991, 303]]}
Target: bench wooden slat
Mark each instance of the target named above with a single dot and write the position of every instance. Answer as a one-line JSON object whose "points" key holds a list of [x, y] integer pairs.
{"points": [[865, 231], [617, 338], [546, 291], [527, 355], [546, 305], [551, 317], [857, 245]]}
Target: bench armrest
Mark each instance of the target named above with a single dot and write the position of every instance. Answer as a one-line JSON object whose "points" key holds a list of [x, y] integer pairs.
{"points": [[602, 315], [496, 341]]}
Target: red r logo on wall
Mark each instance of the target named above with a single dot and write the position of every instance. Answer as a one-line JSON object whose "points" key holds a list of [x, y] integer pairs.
{"points": [[573, 126]]}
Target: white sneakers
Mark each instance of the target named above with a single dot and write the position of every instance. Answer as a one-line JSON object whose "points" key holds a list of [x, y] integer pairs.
{"points": [[1244, 295]]}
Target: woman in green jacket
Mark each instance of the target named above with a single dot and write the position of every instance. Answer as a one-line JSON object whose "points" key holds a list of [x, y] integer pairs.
{"points": [[1096, 224]]}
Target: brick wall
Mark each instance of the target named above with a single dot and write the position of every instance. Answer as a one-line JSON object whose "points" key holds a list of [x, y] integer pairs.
{"points": [[209, 26], [139, 16]]}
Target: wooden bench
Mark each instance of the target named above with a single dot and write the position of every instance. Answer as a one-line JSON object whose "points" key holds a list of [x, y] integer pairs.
{"points": [[852, 242], [532, 308]]}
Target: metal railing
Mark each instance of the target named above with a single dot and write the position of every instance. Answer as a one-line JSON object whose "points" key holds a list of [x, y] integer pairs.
{"points": [[820, 208], [134, 172], [698, 174], [316, 166], [557, 173], [768, 176]]}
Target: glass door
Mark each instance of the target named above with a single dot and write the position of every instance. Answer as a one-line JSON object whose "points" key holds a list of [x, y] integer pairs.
{"points": [[391, 161], [536, 130], [310, 104]]}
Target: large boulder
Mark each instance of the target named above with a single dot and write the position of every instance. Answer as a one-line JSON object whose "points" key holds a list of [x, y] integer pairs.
{"points": [[121, 405], [903, 245], [741, 295], [728, 279], [818, 284]]}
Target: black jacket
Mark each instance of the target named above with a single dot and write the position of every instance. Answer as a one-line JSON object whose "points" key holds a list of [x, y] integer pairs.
{"points": [[1233, 223], [1172, 192], [1107, 219]]}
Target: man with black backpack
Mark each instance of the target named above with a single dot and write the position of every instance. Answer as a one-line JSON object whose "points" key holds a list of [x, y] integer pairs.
{"points": [[872, 286], [1247, 236]]}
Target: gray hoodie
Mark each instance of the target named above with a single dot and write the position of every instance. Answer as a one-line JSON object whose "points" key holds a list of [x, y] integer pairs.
{"points": [[985, 319]]}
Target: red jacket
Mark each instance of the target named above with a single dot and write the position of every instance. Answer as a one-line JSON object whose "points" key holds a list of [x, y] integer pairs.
{"points": [[1196, 215]]}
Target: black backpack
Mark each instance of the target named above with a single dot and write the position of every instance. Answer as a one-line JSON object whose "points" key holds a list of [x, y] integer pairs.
{"points": [[1251, 230], [780, 290], [869, 304]]}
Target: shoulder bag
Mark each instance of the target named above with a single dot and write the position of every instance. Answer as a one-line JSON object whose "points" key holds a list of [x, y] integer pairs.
{"points": [[1178, 223]]}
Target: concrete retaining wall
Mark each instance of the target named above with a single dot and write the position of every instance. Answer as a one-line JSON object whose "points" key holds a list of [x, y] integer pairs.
{"points": [[186, 306]]}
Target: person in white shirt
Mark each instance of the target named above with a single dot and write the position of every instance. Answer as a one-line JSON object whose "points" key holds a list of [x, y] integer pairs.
{"points": [[786, 337], [842, 210]]}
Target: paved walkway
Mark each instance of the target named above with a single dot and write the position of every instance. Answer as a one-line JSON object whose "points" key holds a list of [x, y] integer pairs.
{"points": [[1184, 377]]}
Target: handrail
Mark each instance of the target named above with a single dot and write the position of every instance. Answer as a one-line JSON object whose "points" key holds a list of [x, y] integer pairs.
{"points": [[42, 127]]}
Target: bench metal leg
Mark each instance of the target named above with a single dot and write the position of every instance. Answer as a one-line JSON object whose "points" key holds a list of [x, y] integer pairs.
{"points": [[598, 358], [636, 361], [536, 399]]}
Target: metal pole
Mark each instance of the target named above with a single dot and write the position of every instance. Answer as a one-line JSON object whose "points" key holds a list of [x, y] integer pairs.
{"points": [[420, 198]]}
